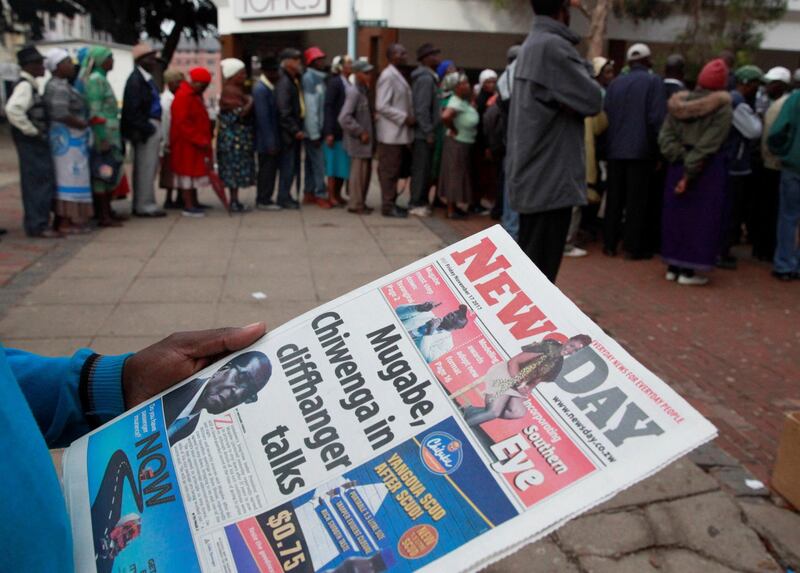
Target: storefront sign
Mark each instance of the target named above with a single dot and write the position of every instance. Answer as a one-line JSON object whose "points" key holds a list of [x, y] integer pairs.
{"points": [[252, 9], [373, 24]]}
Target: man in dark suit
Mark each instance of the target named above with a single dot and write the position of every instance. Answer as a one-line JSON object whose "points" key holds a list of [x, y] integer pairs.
{"points": [[268, 136], [291, 111], [237, 382], [141, 125]]}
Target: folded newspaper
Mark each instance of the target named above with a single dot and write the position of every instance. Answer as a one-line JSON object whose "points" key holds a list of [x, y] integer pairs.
{"points": [[436, 419]]}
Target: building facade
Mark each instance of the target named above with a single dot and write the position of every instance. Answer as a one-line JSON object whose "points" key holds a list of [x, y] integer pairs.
{"points": [[476, 33]]}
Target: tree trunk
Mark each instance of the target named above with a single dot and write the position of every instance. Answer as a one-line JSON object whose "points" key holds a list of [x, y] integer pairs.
{"points": [[598, 26], [171, 44]]}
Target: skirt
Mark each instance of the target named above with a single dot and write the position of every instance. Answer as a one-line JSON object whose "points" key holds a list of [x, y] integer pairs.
{"points": [[235, 151], [187, 182], [691, 222], [78, 213], [337, 162], [455, 178]]}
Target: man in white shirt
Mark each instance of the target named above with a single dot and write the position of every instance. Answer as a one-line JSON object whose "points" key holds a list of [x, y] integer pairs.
{"points": [[431, 334], [27, 115]]}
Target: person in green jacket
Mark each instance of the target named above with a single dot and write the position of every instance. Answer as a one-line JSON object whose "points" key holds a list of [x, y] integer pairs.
{"points": [[784, 141]]}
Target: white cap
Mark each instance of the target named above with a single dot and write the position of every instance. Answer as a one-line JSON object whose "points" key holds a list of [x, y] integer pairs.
{"points": [[54, 57], [486, 75], [231, 67], [778, 74], [638, 52]]}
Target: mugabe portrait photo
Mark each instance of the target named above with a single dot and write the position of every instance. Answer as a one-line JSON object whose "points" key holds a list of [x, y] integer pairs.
{"points": [[237, 382]]}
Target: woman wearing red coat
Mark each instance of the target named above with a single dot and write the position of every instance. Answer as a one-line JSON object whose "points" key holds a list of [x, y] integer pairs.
{"points": [[190, 139]]}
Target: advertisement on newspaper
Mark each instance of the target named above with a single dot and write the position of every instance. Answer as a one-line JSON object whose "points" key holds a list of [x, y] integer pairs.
{"points": [[434, 419]]}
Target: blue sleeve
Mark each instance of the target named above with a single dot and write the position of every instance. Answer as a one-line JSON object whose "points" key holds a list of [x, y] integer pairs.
{"points": [[657, 105], [406, 311], [69, 396]]}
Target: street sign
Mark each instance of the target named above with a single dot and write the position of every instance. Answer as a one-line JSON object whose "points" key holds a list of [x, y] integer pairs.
{"points": [[373, 23]]}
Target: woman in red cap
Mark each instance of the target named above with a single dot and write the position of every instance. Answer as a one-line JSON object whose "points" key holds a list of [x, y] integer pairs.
{"points": [[691, 139], [190, 139]]}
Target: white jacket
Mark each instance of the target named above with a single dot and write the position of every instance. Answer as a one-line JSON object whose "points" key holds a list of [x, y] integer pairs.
{"points": [[393, 105]]}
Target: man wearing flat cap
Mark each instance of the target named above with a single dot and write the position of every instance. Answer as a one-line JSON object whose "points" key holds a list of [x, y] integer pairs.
{"points": [[141, 125], [424, 87], [291, 116], [27, 115]]}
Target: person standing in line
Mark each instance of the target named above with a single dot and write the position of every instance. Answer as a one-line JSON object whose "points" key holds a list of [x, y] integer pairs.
{"points": [[190, 140], [172, 81], [766, 197], [235, 153], [425, 95], [291, 113], [461, 120], [27, 113], [484, 170], [692, 141], [784, 141], [674, 71], [742, 139], [268, 135], [107, 151], [509, 218], [448, 74], [314, 78], [355, 120], [337, 162], [395, 120], [553, 93], [69, 143], [635, 105], [141, 125]]}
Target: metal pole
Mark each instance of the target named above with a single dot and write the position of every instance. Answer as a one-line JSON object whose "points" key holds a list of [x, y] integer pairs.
{"points": [[352, 30]]}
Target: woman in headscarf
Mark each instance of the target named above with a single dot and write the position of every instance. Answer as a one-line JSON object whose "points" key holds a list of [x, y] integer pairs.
{"points": [[235, 133], [107, 153], [337, 162], [694, 195], [190, 140], [461, 120], [69, 142]]}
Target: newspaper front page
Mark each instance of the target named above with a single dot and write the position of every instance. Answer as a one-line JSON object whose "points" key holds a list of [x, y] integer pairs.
{"points": [[435, 419]]}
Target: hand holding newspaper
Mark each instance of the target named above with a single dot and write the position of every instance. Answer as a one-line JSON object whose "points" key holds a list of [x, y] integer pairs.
{"points": [[436, 419]]}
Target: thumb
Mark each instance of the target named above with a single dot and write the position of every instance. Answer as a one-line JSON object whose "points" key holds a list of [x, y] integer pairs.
{"points": [[218, 341]]}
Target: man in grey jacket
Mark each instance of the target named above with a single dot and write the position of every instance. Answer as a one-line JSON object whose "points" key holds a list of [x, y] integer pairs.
{"points": [[553, 93], [356, 122], [428, 113]]}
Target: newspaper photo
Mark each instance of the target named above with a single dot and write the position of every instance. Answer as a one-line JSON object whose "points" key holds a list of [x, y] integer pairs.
{"points": [[436, 419]]}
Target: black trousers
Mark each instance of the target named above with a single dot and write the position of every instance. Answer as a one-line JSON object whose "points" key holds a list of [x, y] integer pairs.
{"points": [[267, 173], [542, 236], [421, 172], [733, 213], [630, 193], [765, 214], [37, 180]]}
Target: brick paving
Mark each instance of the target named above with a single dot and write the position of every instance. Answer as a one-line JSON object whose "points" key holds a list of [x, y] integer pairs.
{"points": [[731, 348]]}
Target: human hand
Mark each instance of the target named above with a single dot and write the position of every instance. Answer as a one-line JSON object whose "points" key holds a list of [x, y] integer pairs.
{"points": [[299, 136], [425, 306], [680, 188], [272, 151], [430, 140], [105, 146], [411, 121], [179, 356], [488, 154], [316, 142], [329, 140], [364, 137]]}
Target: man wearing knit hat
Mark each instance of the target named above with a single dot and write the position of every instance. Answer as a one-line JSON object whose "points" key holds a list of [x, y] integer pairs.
{"points": [[291, 112], [141, 125], [635, 105], [743, 137], [314, 95], [424, 88], [26, 113]]}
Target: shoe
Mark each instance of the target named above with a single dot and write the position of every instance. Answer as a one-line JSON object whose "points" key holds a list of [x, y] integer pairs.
{"points": [[238, 207], [786, 277], [727, 262], [289, 204], [194, 212], [170, 205], [609, 252], [575, 252], [395, 212], [309, 198], [457, 215], [671, 275], [268, 206], [204, 206], [150, 214], [360, 211], [478, 210], [420, 211], [638, 256], [323, 203], [48, 234], [692, 280]]}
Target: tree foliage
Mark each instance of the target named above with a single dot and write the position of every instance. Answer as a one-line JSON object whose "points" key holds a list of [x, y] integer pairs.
{"points": [[125, 20]]}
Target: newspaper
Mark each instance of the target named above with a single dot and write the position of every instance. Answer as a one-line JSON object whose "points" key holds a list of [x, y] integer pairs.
{"points": [[436, 419]]}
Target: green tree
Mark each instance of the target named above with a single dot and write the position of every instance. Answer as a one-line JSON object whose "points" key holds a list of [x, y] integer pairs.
{"points": [[126, 20]]}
